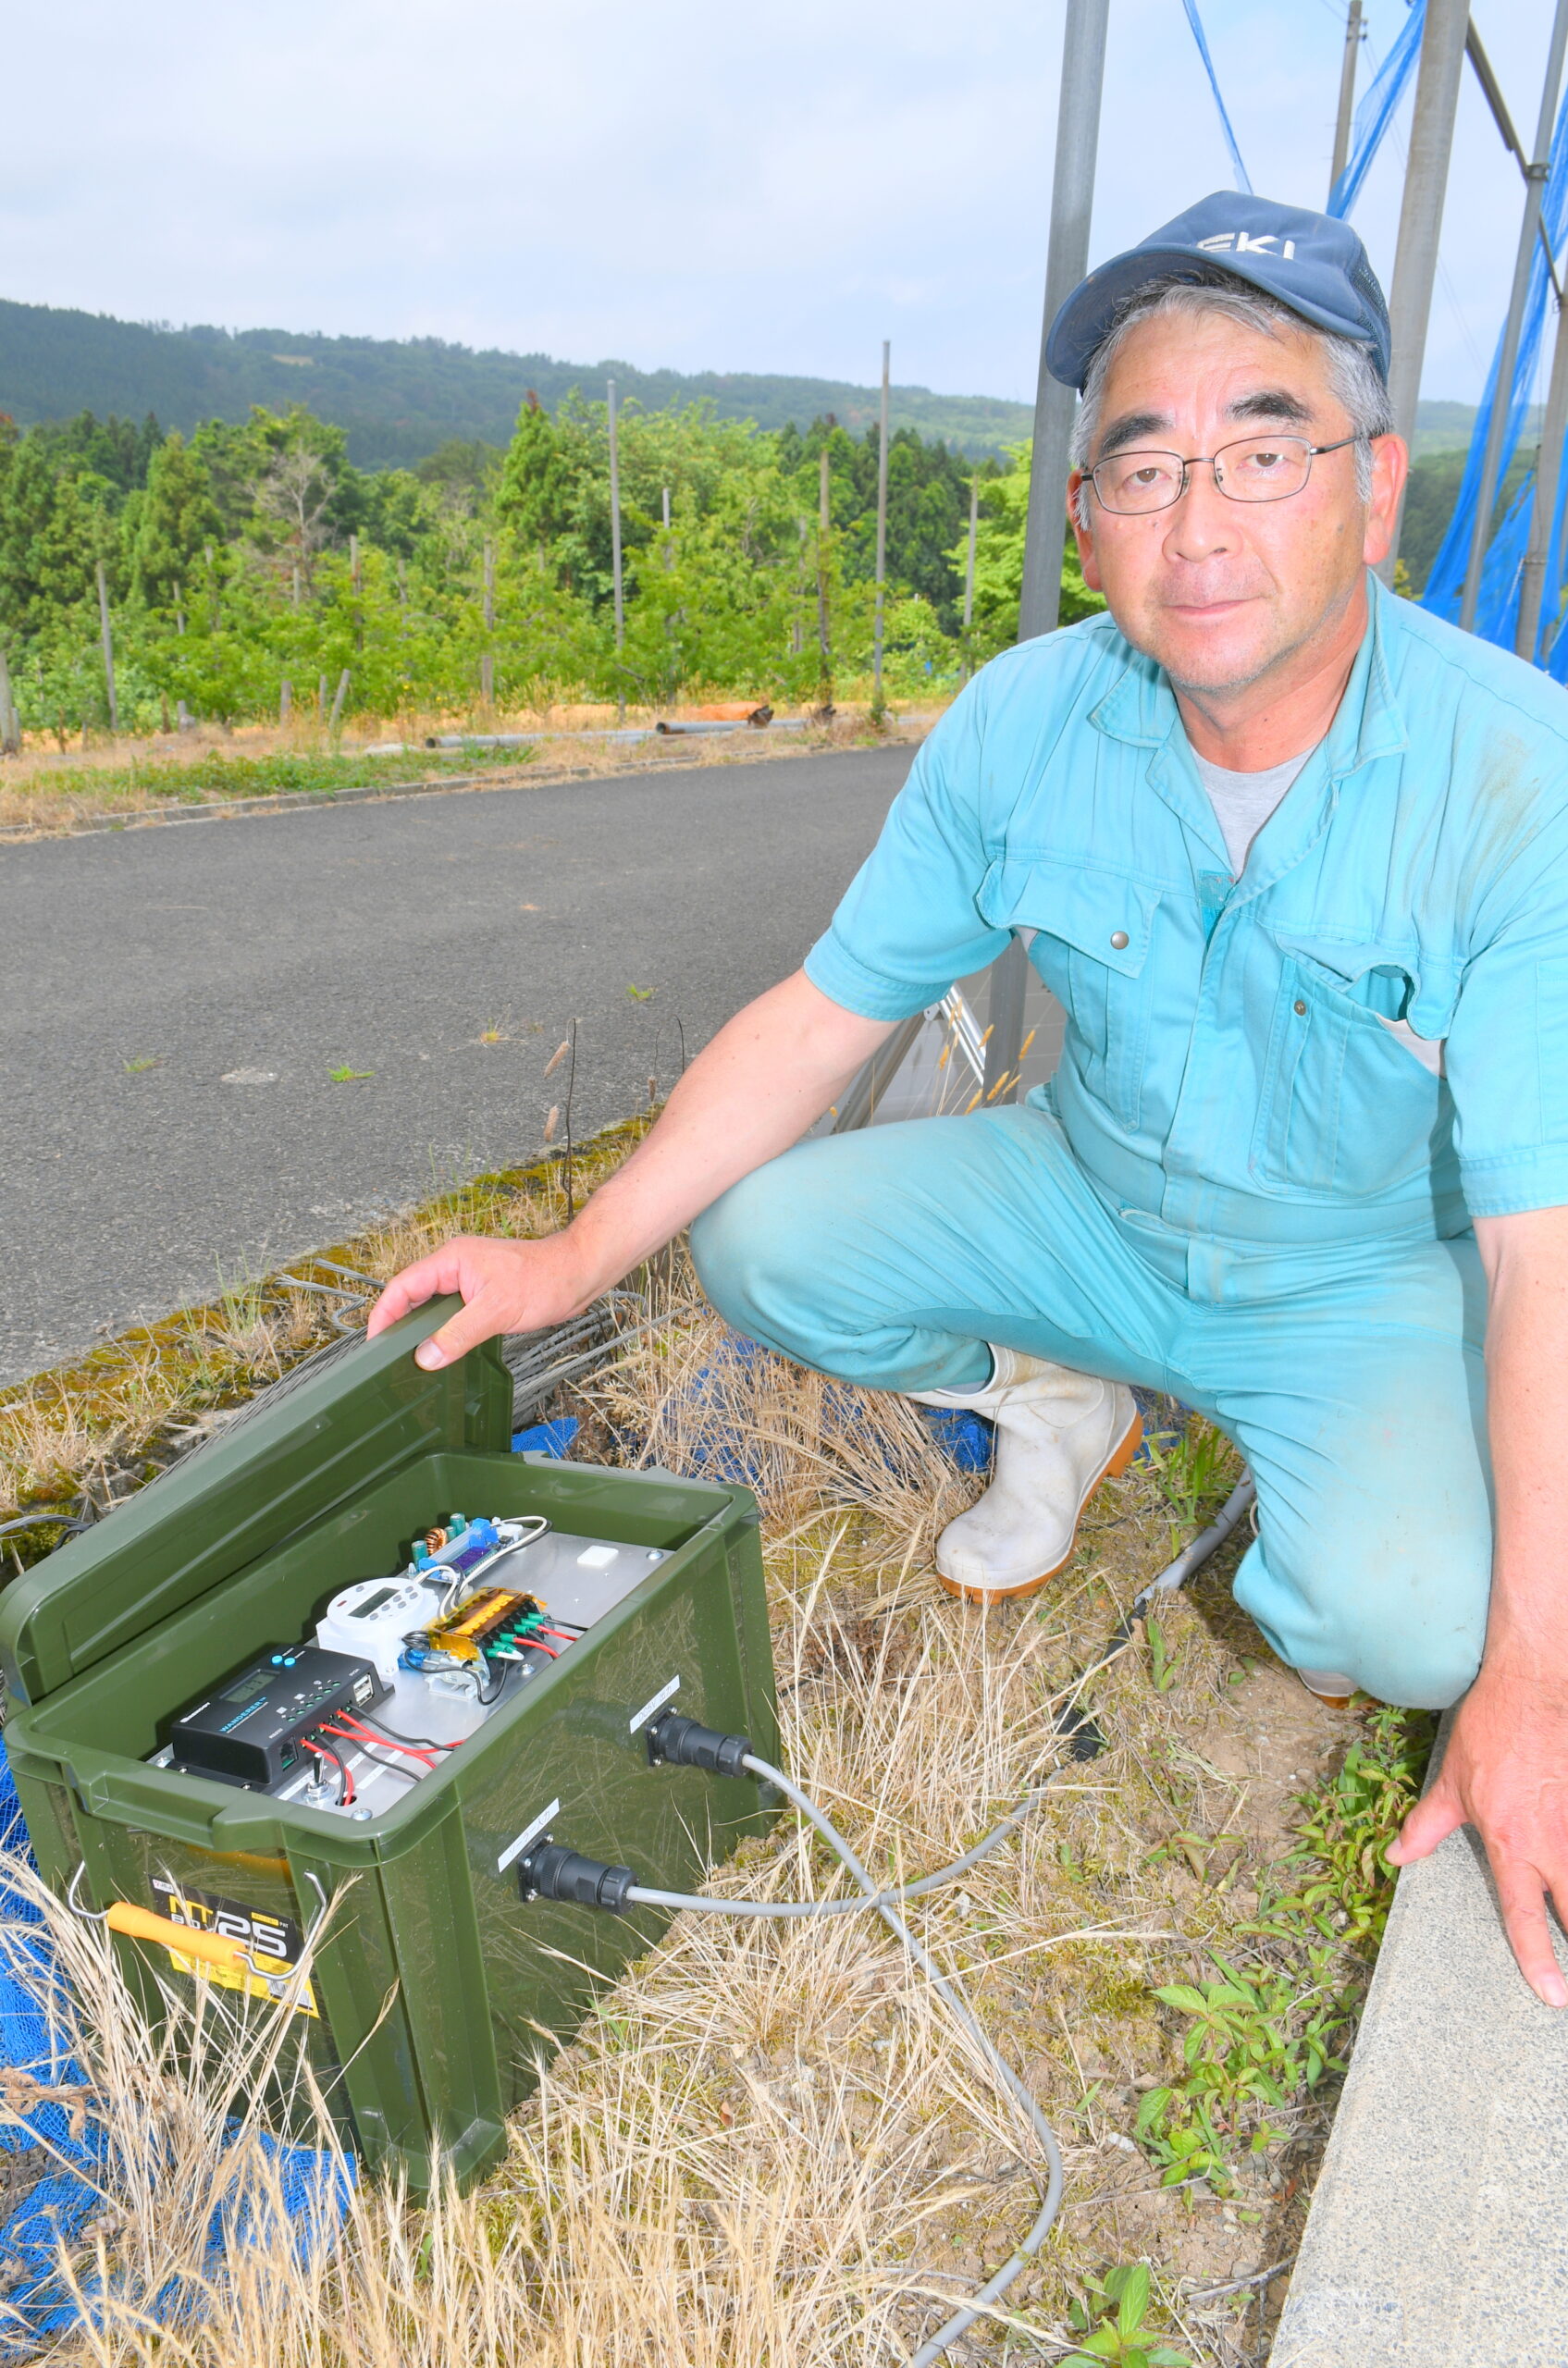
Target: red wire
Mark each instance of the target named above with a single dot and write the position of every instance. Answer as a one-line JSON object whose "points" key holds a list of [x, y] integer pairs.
{"points": [[355, 1733], [556, 1632]]}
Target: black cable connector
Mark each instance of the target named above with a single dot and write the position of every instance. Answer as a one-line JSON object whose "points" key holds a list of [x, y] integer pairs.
{"points": [[683, 1744], [550, 1871]]}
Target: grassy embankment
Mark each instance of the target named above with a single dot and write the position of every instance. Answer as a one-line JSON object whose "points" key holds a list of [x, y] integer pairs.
{"points": [[767, 2146], [44, 792]]}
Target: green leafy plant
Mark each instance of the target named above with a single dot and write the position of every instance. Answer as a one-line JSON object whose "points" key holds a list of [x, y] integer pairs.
{"points": [[642, 994], [1162, 1661], [346, 1076], [1109, 2323], [1259, 2039], [1254, 2040], [142, 1061]]}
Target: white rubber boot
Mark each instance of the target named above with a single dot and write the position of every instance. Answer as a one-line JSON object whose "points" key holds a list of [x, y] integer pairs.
{"points": [[1058, 1435]]}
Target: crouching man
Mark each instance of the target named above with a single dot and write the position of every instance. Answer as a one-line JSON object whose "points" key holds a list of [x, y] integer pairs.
{"points": [[1295, 858]]}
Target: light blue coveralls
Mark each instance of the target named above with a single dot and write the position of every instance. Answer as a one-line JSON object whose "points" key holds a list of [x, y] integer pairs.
{"points": [[1240, 1187]]}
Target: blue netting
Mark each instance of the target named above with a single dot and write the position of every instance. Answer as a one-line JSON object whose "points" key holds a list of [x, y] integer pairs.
{"points": [[1377, 111], [1202, 39], [1498, 612], [312, 2189], [546, 1438]]}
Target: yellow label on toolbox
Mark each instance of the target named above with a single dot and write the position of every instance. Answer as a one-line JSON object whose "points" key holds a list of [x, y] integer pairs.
{"points": [[273, 1942]]}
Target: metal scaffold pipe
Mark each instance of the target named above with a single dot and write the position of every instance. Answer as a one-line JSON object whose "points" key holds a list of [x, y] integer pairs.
{"points": [[1420, 214], [1543, 507], [1535, 190], [1353, 34], [1067, 260]]}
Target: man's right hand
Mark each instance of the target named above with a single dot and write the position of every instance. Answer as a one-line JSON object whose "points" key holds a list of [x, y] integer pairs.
{"points": [[749, 1094], [506, 1287]]}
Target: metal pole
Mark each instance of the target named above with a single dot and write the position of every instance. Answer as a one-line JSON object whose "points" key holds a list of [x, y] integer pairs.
{"points": [[108, 647], [488, 662], [968, 569], [615, 543], [879, 705], [1421, 215], [1353, 34], [1040, 604], [1535, 190], [1549, 464]]}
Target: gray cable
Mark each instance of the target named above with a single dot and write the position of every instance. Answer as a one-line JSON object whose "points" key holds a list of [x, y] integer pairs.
{"points": [[781, 1908], [1241, 1500], [1024, 2253]]}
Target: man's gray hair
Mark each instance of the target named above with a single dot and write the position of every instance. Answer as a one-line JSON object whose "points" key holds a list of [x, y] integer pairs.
{"points": [[1352, 373]]}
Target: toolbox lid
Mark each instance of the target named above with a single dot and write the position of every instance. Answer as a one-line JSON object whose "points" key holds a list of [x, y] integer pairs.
{"points": [[340, 1422]]}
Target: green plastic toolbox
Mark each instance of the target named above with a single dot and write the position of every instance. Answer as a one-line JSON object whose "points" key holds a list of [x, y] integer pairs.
{"points": [[421, 2007]]}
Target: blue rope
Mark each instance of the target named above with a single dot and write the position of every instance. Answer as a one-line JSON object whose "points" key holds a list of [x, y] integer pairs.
{"points": [[1199, 35]]}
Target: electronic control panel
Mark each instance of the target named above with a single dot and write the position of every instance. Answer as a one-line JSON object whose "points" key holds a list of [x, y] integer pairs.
{"points": [[251, 1728]]}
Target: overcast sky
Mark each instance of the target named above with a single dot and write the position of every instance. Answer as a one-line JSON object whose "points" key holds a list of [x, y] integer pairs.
{"points": [[699, 184]]}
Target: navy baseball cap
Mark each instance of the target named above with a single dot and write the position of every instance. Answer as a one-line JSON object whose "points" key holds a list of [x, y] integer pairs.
{"points": [[1309, 262]]}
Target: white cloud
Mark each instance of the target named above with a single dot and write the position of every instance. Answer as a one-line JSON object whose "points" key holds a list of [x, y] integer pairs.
{"points": [[698, 185]]}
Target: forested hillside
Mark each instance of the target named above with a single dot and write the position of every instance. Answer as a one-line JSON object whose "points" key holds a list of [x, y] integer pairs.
{"points": [[248, 568], [396, 401]]}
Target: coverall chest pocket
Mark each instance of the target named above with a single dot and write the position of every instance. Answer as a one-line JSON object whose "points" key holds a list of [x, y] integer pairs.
{"points": [[1090, 934], [1345, 1108]]}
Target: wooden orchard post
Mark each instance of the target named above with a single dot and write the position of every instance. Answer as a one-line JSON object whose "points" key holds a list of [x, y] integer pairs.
{"points": [[108, 648]]}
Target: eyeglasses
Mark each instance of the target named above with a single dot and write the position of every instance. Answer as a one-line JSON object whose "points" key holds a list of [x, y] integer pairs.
{"points": [[1258, 468]]}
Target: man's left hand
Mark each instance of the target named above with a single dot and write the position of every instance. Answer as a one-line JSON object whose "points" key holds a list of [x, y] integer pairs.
{"points": [[1506, 1773]]}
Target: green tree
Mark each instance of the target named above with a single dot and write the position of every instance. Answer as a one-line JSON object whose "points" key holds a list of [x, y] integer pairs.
{"points": [[537, 494], [998, 576], [173, 521]]}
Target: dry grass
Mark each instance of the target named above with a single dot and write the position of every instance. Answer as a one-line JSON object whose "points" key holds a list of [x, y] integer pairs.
{"points": [[46, 791], [768, 2147]]}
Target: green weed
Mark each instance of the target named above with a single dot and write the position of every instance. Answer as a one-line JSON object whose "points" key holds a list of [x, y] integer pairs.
{"points": [[346, 1076], [1162, 1661], [1109, 2323], [1260, 2039], [1194, 1473], [142, 1061]]}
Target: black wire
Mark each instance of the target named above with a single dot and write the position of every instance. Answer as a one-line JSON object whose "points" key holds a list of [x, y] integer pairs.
{"points": [[342, 1766], [41, 1520], [380, 1727], [486, 1699]]}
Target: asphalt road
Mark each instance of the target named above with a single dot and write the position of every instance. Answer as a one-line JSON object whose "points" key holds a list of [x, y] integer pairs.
{"points": [[385, 938]]}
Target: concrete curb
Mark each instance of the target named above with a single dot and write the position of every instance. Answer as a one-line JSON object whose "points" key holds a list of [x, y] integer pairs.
{"points": [[284, 801], [1438, 2232]]}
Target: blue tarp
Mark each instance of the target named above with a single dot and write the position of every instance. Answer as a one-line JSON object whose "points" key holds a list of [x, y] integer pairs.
{"points": [[1497, 613], [314, 2188]]}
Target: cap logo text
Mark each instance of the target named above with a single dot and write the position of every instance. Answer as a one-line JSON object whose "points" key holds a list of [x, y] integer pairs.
{"points": [[1245, 244]]}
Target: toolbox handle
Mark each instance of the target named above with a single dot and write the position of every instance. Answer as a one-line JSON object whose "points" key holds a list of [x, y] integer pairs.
{"points": [[208, 1948]]}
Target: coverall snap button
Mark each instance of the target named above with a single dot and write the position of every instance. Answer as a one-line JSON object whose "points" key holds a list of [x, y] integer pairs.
{"points": [[1119, 939], [1299, 1008]]}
